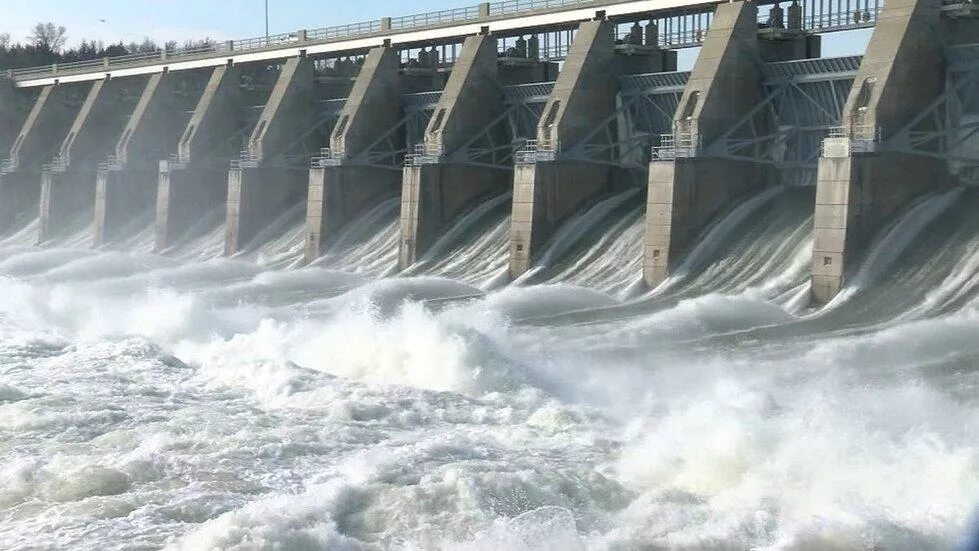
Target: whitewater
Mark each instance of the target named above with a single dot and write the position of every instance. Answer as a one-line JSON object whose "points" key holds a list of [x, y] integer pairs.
{"points": [[186, 401]]}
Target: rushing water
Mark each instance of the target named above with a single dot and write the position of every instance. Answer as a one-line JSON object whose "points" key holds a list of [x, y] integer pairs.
{"points": [[189, 401]]}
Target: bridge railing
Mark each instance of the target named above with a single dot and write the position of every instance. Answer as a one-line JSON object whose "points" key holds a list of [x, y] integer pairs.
{"points": [[435, 18], [516, 6], [817, 17]]}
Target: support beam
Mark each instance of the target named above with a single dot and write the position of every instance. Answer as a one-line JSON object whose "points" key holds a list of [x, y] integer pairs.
{"points": [[342, 192], [582, 102], [435, 193], [34, 144], [695, 184], [127, 186], [12, 113], [196, 181], [68, 186], [860, 187], [265, 185]]}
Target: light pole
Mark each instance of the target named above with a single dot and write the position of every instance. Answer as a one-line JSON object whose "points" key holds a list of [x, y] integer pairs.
{"points": [[266, 22]]}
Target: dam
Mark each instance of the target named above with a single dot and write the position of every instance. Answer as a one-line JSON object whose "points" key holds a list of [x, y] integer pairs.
{"points": [[559, 104], [555, 275]]}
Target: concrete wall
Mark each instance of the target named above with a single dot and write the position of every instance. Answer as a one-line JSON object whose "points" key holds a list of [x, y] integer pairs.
{"points": [[13, 110], [215, 118], [45, 125], [185, 193], [433, 196], [857, 194], [287, 111], [726, 83], [855, 198], [96, 126], [256, 197], [472, 97], [683, 198], [339, 194]]}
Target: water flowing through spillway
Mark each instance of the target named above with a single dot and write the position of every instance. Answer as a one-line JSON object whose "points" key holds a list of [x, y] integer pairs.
{"points": [[187, 401], [475, 248]]}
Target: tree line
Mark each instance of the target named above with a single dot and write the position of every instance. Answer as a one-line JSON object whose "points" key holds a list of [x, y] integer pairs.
{"points": [[47, 44]]}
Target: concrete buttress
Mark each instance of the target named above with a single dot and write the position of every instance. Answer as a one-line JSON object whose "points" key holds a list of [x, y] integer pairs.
{"points": [[195, 181], [340, 192], [45, 124], [861, 188], [68, 185], [264, 186], [690, 189], [434, 193], [127, 187]]}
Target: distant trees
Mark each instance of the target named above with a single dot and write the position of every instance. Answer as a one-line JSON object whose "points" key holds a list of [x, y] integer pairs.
{"points": [[48, 37], [46, 44]]}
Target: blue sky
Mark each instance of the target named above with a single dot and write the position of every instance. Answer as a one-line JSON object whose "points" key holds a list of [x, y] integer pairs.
{"points": [[130, 20], [161, 20]]}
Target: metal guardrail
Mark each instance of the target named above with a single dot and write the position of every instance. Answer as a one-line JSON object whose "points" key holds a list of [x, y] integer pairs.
{"points": [[425, 154], [8, 165], [677, 145], [246, 159], [646, 83], [112, 163], [843, 141], [58, 163], [327, 157], [538, 151], [846, 65]]}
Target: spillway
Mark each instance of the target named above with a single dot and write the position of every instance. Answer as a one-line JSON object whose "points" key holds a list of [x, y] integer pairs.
{"points": [[499, 278]]}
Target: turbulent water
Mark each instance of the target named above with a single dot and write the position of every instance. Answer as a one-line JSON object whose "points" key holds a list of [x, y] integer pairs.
{"points": [[189, 401]]}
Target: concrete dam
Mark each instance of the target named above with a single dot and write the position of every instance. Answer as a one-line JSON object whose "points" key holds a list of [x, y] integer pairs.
{"points": [[542, 120], [549, 275]]}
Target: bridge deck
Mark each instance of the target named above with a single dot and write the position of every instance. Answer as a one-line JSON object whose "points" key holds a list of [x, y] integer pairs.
{"points": [[505, 18]]}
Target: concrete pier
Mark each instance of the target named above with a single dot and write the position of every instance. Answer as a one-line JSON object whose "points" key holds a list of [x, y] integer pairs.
{"points": [[68, 183], [694, 184], [343, 186], [263, 186], [435, 188], [861, 188], [126, 185], [195, 181], [547, 192], [34, 144]]}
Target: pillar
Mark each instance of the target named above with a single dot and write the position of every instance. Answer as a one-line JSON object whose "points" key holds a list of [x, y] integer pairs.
{"points": [[688, 192], [263, 187], [342, 191], [128, 186], [196, 180], [860, 187], [69, 184], [45, 124], [436, 190], [546, 192]]}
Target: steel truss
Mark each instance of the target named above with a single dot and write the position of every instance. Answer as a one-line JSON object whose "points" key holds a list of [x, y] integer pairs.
{"points": [[644, 110], [948, 128], [803, 102]]}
